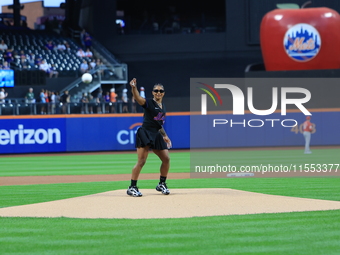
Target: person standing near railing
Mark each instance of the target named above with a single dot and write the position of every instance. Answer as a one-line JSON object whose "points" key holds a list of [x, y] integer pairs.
{"points": [[42, 96], [113, 99], [3, 95], [57, 102], [100, 101], [65, 99], [30, 99], [84, 104], [125, 101], [53, 102], [107, 102]]}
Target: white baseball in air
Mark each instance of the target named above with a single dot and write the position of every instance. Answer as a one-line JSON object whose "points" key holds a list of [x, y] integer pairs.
{"points": [[86, 78]]}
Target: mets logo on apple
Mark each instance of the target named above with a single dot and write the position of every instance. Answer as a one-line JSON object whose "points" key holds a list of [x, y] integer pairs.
{"points": [[302, 42]]}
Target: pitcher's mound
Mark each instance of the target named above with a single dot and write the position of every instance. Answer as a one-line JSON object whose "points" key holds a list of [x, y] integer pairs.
{"points": [[180, 204]]}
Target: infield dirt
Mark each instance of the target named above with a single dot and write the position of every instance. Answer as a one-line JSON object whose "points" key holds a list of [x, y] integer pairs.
{"points": [[181, 203]]}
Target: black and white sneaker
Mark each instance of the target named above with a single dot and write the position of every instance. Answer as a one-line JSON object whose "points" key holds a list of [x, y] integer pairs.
{"points": [[161, 187], [133, 191]]}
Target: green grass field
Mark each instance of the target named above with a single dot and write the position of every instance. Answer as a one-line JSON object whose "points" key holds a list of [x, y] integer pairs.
{"points": [[117, 163], [281, 233]]}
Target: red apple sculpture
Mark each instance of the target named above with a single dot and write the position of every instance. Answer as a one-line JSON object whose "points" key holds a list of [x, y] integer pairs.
{"points": [[300, 39]]}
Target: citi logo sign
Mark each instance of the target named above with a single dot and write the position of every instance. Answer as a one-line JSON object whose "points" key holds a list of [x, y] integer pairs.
{"points": [[22, 135], [238, 99], [125, 137]]}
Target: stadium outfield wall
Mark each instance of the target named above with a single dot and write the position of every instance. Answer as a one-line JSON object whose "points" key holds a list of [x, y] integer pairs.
{"points": [[116, 132]]}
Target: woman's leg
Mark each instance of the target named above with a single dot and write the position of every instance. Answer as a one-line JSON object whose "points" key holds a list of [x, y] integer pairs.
{"points": [[142, 154], [164, 169], [165, 158]]}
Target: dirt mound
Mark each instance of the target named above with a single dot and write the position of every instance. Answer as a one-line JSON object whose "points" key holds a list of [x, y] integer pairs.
{"points": [[181, 203]]}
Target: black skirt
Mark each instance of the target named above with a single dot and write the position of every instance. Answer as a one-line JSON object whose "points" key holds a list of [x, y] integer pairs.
{"points": [[147, 138]]}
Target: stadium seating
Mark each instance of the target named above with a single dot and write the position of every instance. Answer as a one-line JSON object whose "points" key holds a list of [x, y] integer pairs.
{"points": [[66, 63]]}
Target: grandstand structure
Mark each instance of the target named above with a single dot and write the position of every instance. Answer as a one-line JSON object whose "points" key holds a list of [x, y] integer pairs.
{"points": [[112, 74]]}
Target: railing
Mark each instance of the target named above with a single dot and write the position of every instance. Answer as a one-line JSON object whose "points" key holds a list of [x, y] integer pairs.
{"points": [[24, 108], [78, 81], [114, 75], [120, 69], [103, 51]]}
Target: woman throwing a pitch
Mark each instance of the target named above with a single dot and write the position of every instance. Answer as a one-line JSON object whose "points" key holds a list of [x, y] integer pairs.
{"points": [[151, 135]]}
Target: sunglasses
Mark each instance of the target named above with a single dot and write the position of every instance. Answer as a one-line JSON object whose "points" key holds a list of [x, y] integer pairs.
{"points": [[158, 90]]}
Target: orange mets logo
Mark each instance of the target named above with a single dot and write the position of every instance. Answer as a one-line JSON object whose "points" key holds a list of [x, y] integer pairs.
{"points": [[302, 42]]}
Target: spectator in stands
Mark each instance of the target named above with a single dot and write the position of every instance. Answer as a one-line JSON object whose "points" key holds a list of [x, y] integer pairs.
{"points": [[48, 100], [15, 54], [3, 46], [88, 41], [53, 102], [142, 92], [5, 66], [133, 105], [107, 101], [92, 102], [61, 47], [31, 59], [93, 63], [54, 71], [84, 67], [23, 60], [113, 99], [8, 55], [23, 54], [125, 100], [30, 96], [65, 100], [57, 102], [50, 70], [81, 53], [23, 63], [16, 59], [88, 53], [102, 69], [98, 66], [82, 38], [38, 61], [68, 47], [42, 97], [44, 66], [84, 103], [90, 66], [100, 101], [3, 95], [50, 45]]}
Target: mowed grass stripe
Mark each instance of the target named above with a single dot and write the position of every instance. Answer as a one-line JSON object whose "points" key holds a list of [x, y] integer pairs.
{"points": [[86, 165], [283, 233], [180, 161]]}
